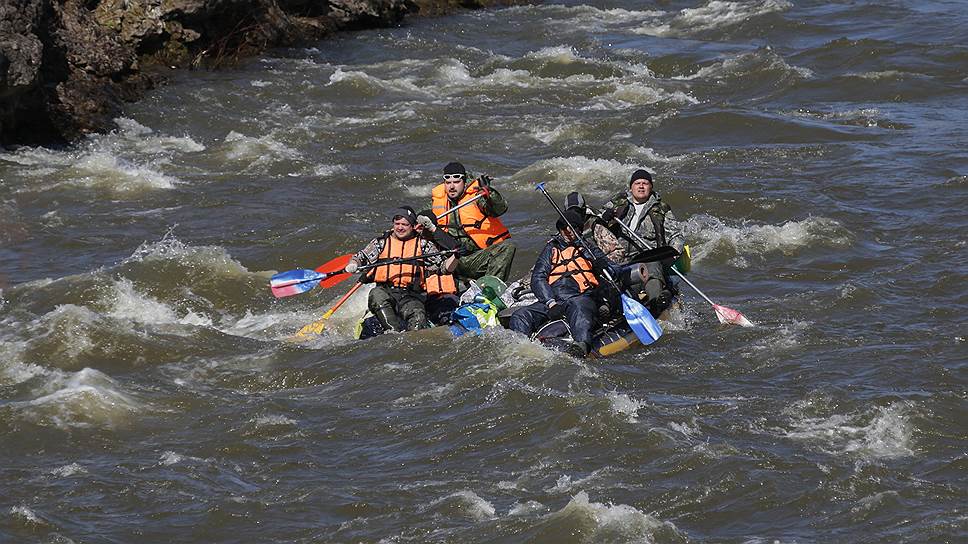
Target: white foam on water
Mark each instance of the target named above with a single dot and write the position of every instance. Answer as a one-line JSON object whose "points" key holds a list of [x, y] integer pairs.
{"points": [[713, 16], [268, 326], [625, 406], [434, 392], [784, 338], [687, 429], [878, 76], [373, 85], [578, 173], [588, 18], [105, 170], [526, 508], [128, 304], [565, 483], [260, 83], [26, 514], [88, 398], [258, 152], [870, 504], [143, 139], [169, 458], [562, 132], [67, 471], [467, 504], [505, 77], [749, 239], [649, 155], [275, 420], [744, 64], [878, 433], [378, 117], [72, 325], [627, 95], [613, 523], [453, 72], [169, 248], [561, 54], [13, 370]]}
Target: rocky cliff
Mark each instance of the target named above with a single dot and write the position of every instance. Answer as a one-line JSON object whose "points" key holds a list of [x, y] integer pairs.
{"points": [[66, 66]]}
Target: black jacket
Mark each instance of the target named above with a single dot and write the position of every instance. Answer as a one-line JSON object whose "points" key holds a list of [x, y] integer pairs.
{"points": [[567, 287]]}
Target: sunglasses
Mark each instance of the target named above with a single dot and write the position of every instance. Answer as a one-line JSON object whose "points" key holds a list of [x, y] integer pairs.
{"points": [[453, 176]]}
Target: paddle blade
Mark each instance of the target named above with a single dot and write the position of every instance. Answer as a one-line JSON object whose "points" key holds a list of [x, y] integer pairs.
{"points": [[336, 265], [661, 253], [645, 327], [334, 279], [312, 329], [293, 289], [729, 315], [293, 282]]}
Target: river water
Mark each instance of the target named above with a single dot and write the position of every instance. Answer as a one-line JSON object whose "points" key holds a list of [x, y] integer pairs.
{"points": [[816, 151]]}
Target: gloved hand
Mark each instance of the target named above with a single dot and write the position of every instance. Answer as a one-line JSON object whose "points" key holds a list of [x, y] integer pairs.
{"points": [[555, 310], [608, 215], [352, 267], [427, 223], [485, 181]]}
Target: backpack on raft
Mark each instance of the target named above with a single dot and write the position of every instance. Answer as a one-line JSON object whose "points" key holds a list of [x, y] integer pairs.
{"points": [[479, 307]]}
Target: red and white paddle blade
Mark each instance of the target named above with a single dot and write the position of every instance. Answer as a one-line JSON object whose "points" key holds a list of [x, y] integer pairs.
{"points": [[729, 315]]}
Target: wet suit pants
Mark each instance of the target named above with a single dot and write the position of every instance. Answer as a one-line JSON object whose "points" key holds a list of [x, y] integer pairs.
{"points": [[405, 305], [580, 313]]}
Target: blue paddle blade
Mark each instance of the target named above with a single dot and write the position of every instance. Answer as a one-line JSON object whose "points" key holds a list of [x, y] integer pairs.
{"points": [[293, 282], [645, 327]]}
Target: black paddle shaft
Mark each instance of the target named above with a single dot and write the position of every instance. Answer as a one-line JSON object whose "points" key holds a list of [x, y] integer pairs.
{"points": [[405, 259]]}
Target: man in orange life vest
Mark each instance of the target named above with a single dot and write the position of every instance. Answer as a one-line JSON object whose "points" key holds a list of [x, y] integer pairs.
{"points": [[399, 293], [476, 226], [566, 283]]}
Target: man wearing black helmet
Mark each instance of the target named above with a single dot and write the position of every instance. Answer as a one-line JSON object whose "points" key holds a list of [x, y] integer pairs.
{"points": [[643, 211]]}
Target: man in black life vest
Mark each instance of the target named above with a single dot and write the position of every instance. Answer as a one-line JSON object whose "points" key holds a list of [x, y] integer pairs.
{"points": [[476, 226], [644, 212], [399, 293], [567, 283]]}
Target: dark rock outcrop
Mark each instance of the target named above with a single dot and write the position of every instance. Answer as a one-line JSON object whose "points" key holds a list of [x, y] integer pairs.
{"points": [[66, 66]]}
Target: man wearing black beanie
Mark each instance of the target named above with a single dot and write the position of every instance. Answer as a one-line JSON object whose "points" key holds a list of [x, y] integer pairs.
{"points": [[643, 211]]}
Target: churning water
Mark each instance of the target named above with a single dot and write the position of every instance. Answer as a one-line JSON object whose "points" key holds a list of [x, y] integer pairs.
{"points": [[817, 151]]}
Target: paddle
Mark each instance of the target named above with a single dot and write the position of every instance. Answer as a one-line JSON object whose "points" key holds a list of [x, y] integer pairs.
{"points": [[301, 280], [725, 314], [316, 327], [645, 327]]}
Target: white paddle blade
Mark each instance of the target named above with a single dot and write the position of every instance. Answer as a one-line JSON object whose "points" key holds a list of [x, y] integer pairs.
{"points": [[731, 316]]}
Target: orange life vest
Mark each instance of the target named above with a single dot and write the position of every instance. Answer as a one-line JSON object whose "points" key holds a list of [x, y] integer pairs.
{"points": [[440, 284], [485, 231], [402, 274], [570, 263]]}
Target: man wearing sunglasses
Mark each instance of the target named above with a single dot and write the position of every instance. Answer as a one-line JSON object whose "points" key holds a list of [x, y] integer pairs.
{"points": [[484, 239]]}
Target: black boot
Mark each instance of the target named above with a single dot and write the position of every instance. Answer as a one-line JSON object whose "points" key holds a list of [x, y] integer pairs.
{"points": [[388, 318]]}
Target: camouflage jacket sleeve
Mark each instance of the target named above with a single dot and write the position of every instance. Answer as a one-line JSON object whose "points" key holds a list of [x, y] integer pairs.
{"points": [[494, 205], [673, 231], [370, 253], [432, 265], [609, 243]]}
